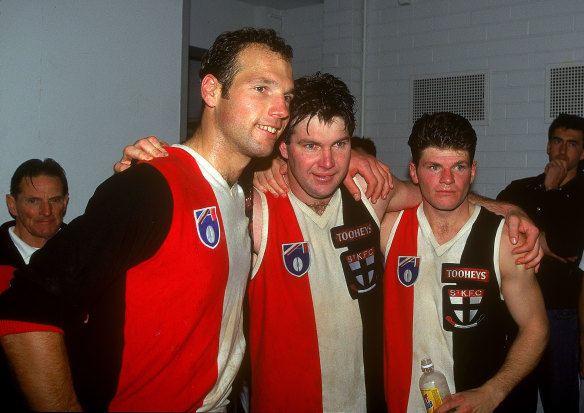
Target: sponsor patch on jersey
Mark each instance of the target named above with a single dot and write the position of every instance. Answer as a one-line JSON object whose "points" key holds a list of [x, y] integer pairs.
{"points": [[342, 236], [455, 273], [296, 258], [408, 269], [208, 226]]}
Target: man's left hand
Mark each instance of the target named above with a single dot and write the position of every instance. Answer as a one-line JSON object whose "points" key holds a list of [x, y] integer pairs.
{"points": [[519, 223]]}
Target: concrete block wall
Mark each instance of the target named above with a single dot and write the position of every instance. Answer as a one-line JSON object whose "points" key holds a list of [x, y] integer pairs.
{"points": [[513, 39], [303, 29]]}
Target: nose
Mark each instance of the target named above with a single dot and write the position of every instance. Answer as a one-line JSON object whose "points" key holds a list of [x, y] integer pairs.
{"points": [[45, 208], [446, 177], [280, 107], [563, 147], [326, 158]]}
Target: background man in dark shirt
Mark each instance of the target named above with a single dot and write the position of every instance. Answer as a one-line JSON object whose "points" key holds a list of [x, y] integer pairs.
{"points": [[37, 201], [555, 200]]}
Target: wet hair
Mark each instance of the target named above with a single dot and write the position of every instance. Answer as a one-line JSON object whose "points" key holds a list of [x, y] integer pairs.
{"points": [[221, 58], [324, 96], [442, 130], [364, 143], [34, 168], [568, 122]]}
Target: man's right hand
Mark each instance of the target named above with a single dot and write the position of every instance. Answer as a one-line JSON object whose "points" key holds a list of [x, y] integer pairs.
{"points": [[143, 150], [555, 173]]}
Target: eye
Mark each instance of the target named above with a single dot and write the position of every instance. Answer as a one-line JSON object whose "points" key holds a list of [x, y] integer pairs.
{"points": [[310, 146], [260, 88], [288, 98], [341, 144]]}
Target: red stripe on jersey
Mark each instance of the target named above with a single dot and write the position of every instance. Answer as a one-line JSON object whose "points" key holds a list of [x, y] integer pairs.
{"points": [[285, 363], [174, 305], [398, 316]]}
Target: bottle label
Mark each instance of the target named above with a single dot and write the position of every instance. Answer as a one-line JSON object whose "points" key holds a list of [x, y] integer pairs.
{"points": [[432, 399]]}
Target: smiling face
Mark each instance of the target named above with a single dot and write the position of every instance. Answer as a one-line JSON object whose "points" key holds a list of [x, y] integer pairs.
{"points": [[38, 209], [444, 177], [318, 159], [255, 110]]}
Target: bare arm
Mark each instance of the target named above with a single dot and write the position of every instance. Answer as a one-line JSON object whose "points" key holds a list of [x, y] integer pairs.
{"points": [[525, 303], [40, 365], [517, 222]]}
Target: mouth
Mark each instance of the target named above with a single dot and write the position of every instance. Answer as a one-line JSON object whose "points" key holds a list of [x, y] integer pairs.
{"points": [[268, 128], [445, 192], [323, 178]]}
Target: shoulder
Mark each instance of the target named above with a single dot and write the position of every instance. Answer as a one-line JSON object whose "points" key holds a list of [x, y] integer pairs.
{"points": [[139, 194], [528, 182], [379, 207], [142, 180], [521, 187], [5, 226]]}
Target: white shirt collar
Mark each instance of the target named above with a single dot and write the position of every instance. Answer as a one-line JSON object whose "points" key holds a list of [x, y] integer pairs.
{"points": [[23, 248]]}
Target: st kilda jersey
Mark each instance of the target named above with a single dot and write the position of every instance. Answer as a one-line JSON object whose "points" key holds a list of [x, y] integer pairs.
{"points": [[444, 302], [316, 308], [144, 288]]}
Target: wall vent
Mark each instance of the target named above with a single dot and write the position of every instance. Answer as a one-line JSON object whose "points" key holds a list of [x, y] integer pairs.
{"points": [[564, 90], [466, 94]]}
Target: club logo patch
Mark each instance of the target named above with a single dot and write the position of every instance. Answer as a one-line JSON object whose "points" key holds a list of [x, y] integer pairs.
{"points": [[208, 226], [461, 307], [359, 268], [296, 258], [408, 269]]}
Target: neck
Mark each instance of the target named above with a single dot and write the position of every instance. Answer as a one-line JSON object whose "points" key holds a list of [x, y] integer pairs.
{"points": [[319, 206], [446, 224], [229, 163]]}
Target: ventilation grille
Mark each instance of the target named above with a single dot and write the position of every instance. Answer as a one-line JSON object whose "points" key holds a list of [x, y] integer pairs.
{"points": [[464, 94], [564, 90]]}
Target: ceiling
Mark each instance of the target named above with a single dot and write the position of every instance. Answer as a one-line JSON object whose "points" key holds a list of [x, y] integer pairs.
{"points": [[282, 4]]}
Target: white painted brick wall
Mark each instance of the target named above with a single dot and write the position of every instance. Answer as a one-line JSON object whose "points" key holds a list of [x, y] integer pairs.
{"points": [[302, 29], [513, 39]]}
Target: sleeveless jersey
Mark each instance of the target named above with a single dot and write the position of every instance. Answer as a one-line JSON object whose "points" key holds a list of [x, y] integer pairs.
{"points": [[183, 326], [306, 331], [444, 302]]}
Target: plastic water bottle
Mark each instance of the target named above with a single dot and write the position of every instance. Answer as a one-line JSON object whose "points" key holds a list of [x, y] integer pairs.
{"points": [[433, 386]]}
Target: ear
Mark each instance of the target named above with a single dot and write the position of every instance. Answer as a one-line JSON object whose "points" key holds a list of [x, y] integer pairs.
{"points": [[210, 90], [284, 150], [65, 203], [413, 173], [548, 147], [11, 204], [473, 171]]}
